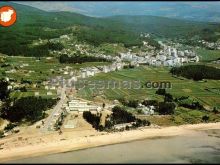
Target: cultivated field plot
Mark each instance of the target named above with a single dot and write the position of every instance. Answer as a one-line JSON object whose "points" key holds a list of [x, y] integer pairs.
{"points": [[180, 86], [208, 55]]}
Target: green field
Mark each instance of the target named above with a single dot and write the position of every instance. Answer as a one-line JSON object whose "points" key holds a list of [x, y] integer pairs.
{"points": [[31, 92], [208, 55], [41, 69], [182, 116], [180, 87], [41, 72]]}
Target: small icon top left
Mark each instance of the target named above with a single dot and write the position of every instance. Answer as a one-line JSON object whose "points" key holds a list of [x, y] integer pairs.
{"points": [[7, 16]]}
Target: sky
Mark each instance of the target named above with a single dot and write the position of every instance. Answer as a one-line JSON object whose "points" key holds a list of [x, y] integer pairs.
{"points": [[188, 10]]}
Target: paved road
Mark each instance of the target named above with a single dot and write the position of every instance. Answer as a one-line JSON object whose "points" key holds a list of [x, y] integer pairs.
{"points": [[56, 109]]}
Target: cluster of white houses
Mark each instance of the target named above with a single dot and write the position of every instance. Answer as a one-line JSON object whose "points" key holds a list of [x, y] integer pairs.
{"points": [[147, 110], [91, 71], [168, 56], [211, 45]]}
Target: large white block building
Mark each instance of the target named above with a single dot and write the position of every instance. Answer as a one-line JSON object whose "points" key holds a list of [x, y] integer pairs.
{"points": [[80, 106]]}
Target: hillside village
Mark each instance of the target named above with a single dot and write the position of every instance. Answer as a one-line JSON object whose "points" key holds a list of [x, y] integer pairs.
{"points": [[166, 56], [210, 45]]}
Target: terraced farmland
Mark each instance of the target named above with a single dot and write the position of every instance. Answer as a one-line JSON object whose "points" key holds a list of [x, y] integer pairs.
{"points": [[180, 87]]}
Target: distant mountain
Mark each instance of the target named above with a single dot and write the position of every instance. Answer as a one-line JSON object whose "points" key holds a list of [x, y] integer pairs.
{"points": [[195, 11], [164, 27], [31, 24]]}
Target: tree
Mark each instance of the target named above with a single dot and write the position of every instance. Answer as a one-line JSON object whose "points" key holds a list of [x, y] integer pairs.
{"points": [[150, 102], [133, 103], [127, 127], [23, 89], [120, 115], [1, 134], [29, 109], [215, 110], [103, 105], [205, 118], [129, 103], [146, 122], [92, 119], [168, 97], [4, 92], [166, 108], [10, 126], [161, 91]]}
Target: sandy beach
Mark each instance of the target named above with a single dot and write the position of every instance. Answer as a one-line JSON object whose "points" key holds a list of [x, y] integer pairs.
{"points": [[36, 145]]}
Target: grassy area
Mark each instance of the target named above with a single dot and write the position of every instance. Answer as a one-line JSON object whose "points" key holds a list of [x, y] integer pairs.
{"points": [[182, 116], [208, 55], [180, 87], [37, 70], [159, 120], [187, 116], [40, 70], [42, 93]]}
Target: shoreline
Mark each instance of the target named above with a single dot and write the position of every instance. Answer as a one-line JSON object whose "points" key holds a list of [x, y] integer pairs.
{"points": [[80, 143]]}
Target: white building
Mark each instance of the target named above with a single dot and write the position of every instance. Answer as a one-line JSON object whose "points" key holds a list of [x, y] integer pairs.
{"points": [[147, 110], [169, 63], [80, 106], [64, 37], [9, 87], [74, 78], [6, 79], [52, 87], [161, 57], [158, 63], [36, 93], [49, 93], [83, 74], [90, 72], [106, 69], [65, 72], [124, 125]]}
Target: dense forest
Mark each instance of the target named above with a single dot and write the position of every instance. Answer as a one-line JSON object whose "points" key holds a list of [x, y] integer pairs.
{"points": [[28, 109], [197, 72]]}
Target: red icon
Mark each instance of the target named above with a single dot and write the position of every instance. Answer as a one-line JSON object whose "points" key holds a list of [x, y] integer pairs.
{"points": [[7, 16]]}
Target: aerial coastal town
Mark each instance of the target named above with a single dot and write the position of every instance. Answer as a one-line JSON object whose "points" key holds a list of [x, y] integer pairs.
{"points": [[97, 81], [167, 56]]}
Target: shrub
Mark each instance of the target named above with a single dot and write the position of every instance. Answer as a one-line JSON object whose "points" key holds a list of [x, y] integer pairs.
{"points": [[10, 126], [161, 91], [166, 108], [1, 134], [205, 118], [168, 97]]}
